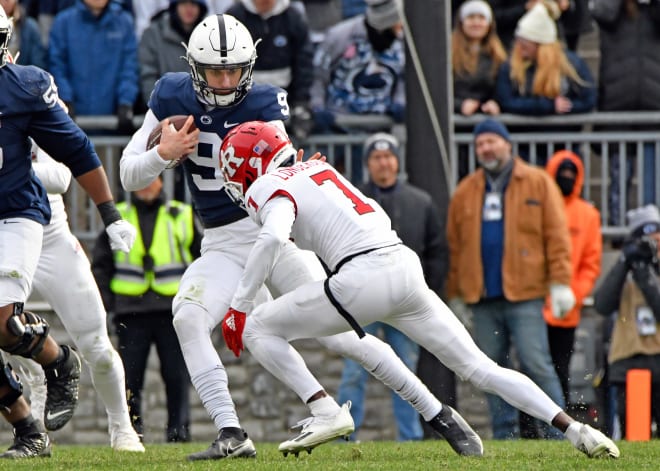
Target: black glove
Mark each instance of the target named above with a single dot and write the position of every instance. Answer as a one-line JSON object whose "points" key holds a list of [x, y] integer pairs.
{"points": [[301, 122], [125, 119], [642, 251]]}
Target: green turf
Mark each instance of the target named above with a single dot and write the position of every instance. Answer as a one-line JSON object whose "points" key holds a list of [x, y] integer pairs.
{"points": [[382, 456]]}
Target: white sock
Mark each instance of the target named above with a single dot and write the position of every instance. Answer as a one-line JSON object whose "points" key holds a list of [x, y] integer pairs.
{"points": [[325, 406], [572, 433]]}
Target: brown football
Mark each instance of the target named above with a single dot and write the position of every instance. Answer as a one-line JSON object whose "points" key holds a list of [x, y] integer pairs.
{"points": [[154, 137]]}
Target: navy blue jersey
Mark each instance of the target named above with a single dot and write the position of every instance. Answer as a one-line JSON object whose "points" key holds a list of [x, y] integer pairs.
{"points": [[174, 95], [29, 108]]}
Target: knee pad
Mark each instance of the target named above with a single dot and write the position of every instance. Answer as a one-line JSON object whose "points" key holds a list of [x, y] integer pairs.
{"points": [[190, 320], [32, 332], [7, 378], [96, 349]]}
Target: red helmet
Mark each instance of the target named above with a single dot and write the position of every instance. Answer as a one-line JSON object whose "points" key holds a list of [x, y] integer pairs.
{"points": [[250, 150]]}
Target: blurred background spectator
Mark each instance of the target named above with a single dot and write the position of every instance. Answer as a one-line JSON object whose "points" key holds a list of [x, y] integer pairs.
{"points": [[566, 168], [26, 37], [540, 77], [477, 54], [285, 53], [629, 80], [138, 289], [508, 247], [93, 57], [160, 49], [574, 21], [359, 69], [631, 293]]}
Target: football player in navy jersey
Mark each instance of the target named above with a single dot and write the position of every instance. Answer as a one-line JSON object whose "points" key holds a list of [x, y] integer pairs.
{"points": [[29, 107], [217, 95]]}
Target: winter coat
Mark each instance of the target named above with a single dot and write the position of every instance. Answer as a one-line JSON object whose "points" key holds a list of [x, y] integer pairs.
{"points": [[94, 59], [586, 242], [629, 77], [536, 245], [583, 96]]}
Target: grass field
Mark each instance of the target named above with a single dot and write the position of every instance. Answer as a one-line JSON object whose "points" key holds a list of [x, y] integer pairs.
{"points": [[382, 456]]}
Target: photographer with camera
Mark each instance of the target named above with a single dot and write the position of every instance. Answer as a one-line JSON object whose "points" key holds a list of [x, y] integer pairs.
{"points": [[632, 287]]}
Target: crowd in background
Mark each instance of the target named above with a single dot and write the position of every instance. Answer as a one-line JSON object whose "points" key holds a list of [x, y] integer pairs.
{"points": [[348, 57]]}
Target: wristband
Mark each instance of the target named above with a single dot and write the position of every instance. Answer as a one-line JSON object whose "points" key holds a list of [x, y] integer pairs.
{"points": [[108, 212]]}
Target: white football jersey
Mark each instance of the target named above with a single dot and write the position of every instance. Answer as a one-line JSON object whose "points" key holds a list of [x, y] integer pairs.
{"points": [[56, 178], [333, 218]]}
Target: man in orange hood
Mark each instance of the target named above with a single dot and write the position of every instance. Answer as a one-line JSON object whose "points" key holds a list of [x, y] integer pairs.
{"points": [[586, 250]]}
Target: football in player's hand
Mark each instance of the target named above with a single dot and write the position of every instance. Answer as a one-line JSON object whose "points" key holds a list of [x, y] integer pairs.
{"points": [[176, 122]]}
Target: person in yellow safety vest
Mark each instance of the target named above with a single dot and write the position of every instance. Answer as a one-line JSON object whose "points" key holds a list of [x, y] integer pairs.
{"points": [[138, 288]]}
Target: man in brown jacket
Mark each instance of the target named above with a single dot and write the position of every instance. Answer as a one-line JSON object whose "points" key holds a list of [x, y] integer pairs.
{"points": [[509, 246]]}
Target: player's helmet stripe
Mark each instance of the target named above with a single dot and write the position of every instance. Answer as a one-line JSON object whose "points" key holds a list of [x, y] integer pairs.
{"points": [[223, 35]]}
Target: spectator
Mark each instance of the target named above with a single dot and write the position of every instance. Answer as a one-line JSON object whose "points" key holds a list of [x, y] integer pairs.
{"points": [[509, 246], [586, 251], [507, 13], [540, 78], [416, 221], [160, 48], [138, 288], [285, 54], [95, 38], [629, 80], [631, 289], [26, 37], [477, 54], [359, 69]]}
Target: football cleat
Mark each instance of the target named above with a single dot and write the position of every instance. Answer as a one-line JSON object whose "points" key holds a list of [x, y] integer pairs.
{"points": [[31, 445], [315, 431], [595, 444], [62, 383], [125, 438], [228, 445], [457, 432]]}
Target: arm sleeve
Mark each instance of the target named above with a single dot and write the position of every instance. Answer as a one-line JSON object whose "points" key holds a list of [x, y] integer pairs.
{"points": [[607, 297], [277, 217], [585, 99], [590, 262], [139, 167], [512, 102], [56, 177]]}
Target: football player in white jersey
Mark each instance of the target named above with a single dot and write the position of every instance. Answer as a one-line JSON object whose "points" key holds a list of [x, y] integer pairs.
{"points": [[374, 278], [218, 94], [65, 281]]}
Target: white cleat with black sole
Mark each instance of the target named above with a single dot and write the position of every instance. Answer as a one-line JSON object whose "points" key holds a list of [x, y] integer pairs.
{"points": [[315, 431]]}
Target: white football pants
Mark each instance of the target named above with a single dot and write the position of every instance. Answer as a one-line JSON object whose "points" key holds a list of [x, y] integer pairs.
{"points": [[385, 285]]}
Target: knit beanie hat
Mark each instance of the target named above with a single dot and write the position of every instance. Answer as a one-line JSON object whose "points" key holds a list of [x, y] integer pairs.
{"points": [[476, 7], [383, 14], [492, 126], [644, 220], [537, 25], [381, 141]]}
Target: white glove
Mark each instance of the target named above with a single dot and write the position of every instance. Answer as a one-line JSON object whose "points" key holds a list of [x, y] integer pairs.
{"points": [[461, 311], [562, 300], [121, 235]]}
